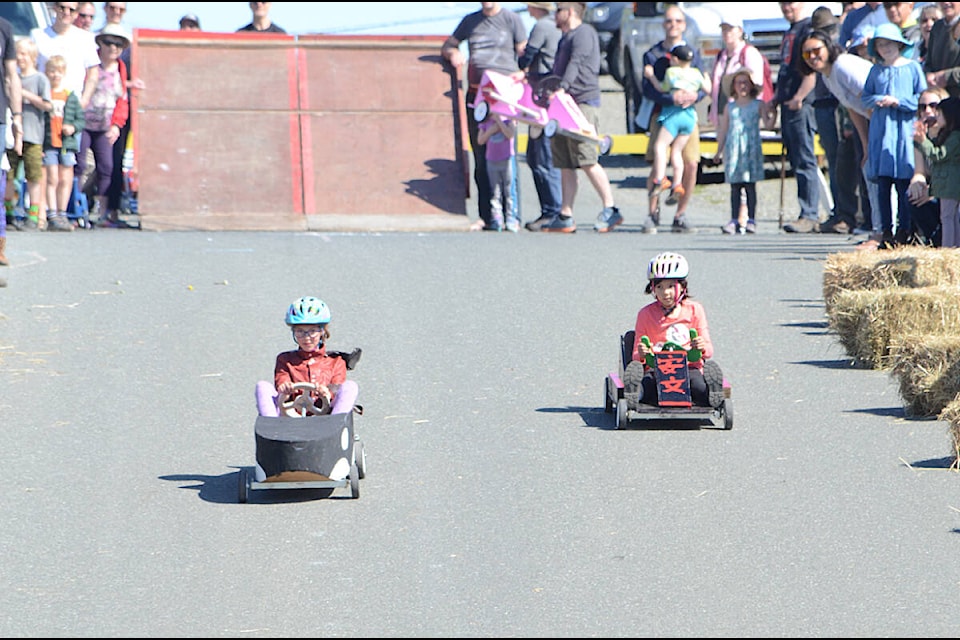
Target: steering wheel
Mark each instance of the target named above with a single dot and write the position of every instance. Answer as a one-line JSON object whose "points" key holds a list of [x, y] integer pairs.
{"points": [[302, 405]]}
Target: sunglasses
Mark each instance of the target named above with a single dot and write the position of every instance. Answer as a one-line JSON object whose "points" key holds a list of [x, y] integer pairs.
{"points": [[814, 51], [927, 105], [60, 7], [88, 16], [109, 41]]}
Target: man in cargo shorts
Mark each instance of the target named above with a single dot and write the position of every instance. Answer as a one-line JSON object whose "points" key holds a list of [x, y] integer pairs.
{"points": [[674, 24]]}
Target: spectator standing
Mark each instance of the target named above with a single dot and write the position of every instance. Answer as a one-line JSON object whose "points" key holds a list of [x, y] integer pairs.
{"points": [[537, 62], [261, 20], [35, 91], [578, 67], [942, 62], [86, 14], [64, 124], [891, 92], [105, 116], [794, 97], [190, 22], [676, 122], [929, 14], [937, 138], [868, 14], [11, 102], [76, 45], [674, 24], [497, 136], [825, 107], [496, 38], [740, 146], [843, 75], [116, 11]]}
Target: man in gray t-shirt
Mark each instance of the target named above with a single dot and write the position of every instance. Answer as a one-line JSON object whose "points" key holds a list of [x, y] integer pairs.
{"points": [[495, 39]]}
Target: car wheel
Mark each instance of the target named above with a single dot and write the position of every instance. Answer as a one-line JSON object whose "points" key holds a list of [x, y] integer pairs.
{"points": [[622, 413], [727, 414], [615, 59]]}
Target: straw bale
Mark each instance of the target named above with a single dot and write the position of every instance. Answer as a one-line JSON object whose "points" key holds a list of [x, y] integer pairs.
{"points": [[906, 266], [928, 370], [951, 415], [865, 321]]}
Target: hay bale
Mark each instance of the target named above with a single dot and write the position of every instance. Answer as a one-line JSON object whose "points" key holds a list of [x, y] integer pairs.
{"points": [[928, 370], [907, 266], [951, 415], [866, 321]]}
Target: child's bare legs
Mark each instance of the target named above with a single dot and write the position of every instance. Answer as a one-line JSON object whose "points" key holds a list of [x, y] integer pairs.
{"points": [[662, 151], [53, 184], [64, 188], [676, 157], [37, 206]]}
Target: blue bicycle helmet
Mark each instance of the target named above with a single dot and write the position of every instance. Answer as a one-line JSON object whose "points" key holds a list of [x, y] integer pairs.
{"points": [[308, 310]]}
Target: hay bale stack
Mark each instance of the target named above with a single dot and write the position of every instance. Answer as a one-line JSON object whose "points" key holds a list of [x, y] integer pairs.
{"points": [[928, 370], [951, 415], [866, 321], [906, 266]]}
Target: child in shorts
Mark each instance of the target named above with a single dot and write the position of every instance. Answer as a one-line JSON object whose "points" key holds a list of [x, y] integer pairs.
{"points": [[62, 138]]}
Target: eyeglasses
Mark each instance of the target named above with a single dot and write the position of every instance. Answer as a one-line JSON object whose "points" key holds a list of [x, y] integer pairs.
{"points": [[813, 52], [109, 41], [307, 332], [928, 105], [60, 7]]}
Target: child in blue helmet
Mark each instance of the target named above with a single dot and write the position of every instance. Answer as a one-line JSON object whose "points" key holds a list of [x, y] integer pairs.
{"points": [[669, 319], [308, 319]]}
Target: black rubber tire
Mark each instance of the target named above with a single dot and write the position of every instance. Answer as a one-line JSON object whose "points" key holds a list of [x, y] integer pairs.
{"points": [[728, 414], [622, 414]]}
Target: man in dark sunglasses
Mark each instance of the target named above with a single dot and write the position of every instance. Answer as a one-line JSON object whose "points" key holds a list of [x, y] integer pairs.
{"points": [[86, 14]]}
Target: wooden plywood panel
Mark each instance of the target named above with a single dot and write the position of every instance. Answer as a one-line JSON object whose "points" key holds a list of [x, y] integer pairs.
{"points": [[382, 163], [204, 168]]}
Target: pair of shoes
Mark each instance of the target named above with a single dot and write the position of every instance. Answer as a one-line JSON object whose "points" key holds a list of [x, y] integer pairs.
{"points": [[680, 225], [537, 225], [560, 224], [649, 225], [802, 225], [713, 376], [608, 219], [836, 225], [675, 194], [513, 225], [59, 223], [730, 228], [659, 187], [751, 227]]}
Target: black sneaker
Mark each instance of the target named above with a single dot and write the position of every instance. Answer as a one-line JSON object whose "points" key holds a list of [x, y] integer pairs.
{"points": [[680, 225], [538, 224], [713, 376]]}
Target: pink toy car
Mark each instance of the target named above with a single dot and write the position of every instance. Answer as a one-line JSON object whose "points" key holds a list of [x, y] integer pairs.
{"points": [[554, 113]]}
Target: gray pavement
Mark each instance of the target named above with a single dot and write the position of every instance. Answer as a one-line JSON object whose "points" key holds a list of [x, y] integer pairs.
{"points": [[498, 501]]}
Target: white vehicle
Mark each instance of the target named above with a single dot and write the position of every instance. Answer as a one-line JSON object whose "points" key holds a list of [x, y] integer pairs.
{"points": [[763, 24], [26, 16]]}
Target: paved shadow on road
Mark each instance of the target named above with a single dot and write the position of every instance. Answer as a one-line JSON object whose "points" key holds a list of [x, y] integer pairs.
{"points": [[597, 418], [223, 489]]}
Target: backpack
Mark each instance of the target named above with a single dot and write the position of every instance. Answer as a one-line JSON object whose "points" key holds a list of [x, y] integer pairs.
{"points": [[766, 92]]}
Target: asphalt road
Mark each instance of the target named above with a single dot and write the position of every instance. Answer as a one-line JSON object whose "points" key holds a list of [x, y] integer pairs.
{"points": [[498, 501]]}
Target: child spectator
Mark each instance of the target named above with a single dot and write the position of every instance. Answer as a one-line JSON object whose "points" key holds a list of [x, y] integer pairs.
{"points": [[937, 137], [740, 145], [61, 140], [497, 134], [676, 122], [36, 102], [308, 319], [891, 91], [669, 318], [105, 116]]}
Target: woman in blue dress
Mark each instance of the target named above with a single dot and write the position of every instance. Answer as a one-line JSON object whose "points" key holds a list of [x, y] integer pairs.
{"points": [[891, 91]]}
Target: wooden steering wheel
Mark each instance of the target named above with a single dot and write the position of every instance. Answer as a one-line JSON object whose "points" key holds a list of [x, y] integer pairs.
{"points": [[302, 405]]}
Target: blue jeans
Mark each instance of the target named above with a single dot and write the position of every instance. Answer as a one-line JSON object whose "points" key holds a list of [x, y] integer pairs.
{"points": [[546, 177], [830, 141], [797, 129]]}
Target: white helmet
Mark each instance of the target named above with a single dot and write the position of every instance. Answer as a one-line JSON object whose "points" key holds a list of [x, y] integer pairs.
{"points": [[668, 265]]}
